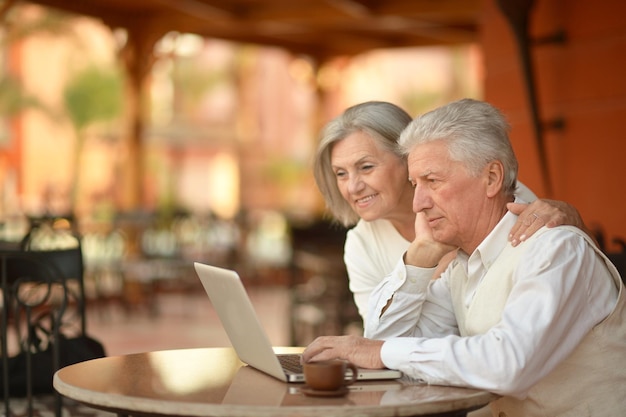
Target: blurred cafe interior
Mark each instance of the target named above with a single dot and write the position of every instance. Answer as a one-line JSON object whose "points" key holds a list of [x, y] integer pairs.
{"points": [[152, 134]]}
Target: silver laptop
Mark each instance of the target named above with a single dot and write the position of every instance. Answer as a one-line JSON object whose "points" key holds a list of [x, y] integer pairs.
{"points": [[234, 308]]}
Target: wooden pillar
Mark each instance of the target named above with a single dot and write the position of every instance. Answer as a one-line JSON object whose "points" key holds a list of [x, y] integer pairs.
{"points": [[137, 56]]}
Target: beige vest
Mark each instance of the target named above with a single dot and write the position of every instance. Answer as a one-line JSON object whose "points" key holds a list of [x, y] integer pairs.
{"points": [[590, 382]]}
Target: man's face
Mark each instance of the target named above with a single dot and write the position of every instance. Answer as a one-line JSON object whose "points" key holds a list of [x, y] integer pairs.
{"points": [[451, 199]]}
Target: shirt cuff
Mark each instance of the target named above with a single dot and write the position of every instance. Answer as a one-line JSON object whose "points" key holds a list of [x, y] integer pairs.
{"points": [[395, 352], [418, 278]]}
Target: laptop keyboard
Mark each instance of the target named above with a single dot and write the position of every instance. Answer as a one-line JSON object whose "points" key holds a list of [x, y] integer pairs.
{"points": [[291, 363]]}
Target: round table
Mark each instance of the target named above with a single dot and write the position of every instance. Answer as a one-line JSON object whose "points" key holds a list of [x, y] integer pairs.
{"points": [[214, 382]]}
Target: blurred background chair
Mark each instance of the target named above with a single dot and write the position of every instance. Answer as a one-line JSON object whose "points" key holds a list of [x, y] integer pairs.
{"points": [[104, 254], [34, 301], [617, 257], [321, 301], [55, 240]]}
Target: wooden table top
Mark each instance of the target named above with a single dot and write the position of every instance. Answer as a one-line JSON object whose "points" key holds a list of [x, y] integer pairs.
{"points": [[214, 382]]}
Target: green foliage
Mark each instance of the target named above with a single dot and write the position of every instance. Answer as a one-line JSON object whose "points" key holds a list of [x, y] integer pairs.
{"points": [[193, 81], [93, 95], [420, 102], [284, 171], [51, 22], [14, 98]]}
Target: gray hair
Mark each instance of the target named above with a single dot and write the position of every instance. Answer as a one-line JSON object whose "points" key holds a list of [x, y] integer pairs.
{"points": [[476, 133], [380, 120]]}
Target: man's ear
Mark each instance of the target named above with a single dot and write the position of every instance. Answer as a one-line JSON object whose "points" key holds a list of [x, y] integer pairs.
{"points": [[495, 178]]}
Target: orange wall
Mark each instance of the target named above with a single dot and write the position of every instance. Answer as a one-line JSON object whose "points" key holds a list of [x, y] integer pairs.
{"points": [[582, 81]]}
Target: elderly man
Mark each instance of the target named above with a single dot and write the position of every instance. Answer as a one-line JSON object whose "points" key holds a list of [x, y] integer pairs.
{"points": [[543, 323]]}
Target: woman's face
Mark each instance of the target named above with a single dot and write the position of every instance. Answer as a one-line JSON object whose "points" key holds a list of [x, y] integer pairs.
{"points": [[373, 180]]}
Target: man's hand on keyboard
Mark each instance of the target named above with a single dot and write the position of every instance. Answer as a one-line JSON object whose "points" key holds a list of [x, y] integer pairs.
{"points": [[364, 353]]}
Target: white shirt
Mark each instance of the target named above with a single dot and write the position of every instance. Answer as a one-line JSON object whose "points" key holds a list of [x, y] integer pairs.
{"points": [[561, 290], [373, 249]]}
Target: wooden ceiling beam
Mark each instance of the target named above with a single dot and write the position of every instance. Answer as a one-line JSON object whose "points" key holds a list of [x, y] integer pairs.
{"points": [[316, 27]]}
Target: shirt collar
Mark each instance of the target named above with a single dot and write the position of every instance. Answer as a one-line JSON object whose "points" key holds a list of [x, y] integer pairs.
{"points": [[490, 248]]}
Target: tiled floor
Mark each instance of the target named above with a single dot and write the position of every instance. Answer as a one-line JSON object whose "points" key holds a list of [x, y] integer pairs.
{"points": [[183, 321]]}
